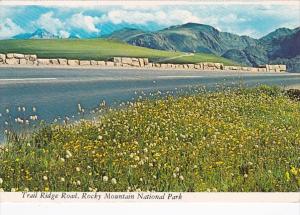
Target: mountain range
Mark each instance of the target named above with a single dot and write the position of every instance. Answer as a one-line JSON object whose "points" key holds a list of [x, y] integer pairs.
{"points": [[279, 46]]}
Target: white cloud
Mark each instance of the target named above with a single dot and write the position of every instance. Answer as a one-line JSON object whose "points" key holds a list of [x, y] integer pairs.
{"points": [[9, 29], [87, 23], [169, 17], [50, 23], [64, 34]]}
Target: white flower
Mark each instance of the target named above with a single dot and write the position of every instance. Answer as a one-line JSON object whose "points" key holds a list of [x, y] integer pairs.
{"points": [[1, 180], [245, 176], [181, 178], [23, 109], [105, 178], [1, 190], [78, 182], [177, 169], [7, 110], [33, 109], [174, 175], [77, 169], [45, 178], [62, 179], [13, 190], [113, 181], [26, 189], [68, 154], [62, 159], [100, 137]]}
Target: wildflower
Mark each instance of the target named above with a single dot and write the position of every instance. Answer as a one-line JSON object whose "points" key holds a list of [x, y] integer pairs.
{"points": [[13, 190], [34, 109], [294, 171], [113, 181], [62, 179], [287, 176], [177, 169], [78, 182], [245, 176], [46, 189], [154, 176], [100, 137], [26, 189], [105, 178], [77, 169], [269, 171], [45, 178], [68, 154], [1, 180], [7, 110], [1, 190], [181, 177], [62, 159]]}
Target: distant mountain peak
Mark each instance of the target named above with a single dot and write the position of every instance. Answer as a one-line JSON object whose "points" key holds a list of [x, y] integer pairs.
{"points": [[39, 33]]}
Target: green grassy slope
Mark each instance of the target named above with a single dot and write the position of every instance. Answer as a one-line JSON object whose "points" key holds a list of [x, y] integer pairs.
{"points": [[98, 49]]}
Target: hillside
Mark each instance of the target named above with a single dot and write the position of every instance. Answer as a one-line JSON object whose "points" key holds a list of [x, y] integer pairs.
{"points": [[189, 37], [99, 49], [281, 45]]}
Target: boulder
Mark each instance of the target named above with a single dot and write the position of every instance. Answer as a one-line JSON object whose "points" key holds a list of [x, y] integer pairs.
{"points": [[141, 61], [54, 62], [262, 70], [146, 61], [12, 61], [23, 61], [2, 58], [282, 67], [109, 63], [10, 55], [197, 66], [73, 62], [101, 63], [32, 57], [126, 60], [19, 56], [219, 65], [135, 63], [150, 64], [62, 61], [41, 61], [191, 66], [117, 60], [163, 65], [84, 62], [94, 63]]}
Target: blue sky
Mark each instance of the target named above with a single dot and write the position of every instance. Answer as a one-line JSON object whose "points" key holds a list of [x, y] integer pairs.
{"points": [[244, 19]]}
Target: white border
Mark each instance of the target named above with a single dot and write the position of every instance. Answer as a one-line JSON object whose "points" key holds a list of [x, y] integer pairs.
{"points": [[74, 3]]}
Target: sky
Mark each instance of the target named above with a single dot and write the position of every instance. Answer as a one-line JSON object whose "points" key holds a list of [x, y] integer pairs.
{"points": [[254, 20]]}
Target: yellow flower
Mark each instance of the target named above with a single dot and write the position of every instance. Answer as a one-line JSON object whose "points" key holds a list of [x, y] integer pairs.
{"points": [[287, 176]]}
